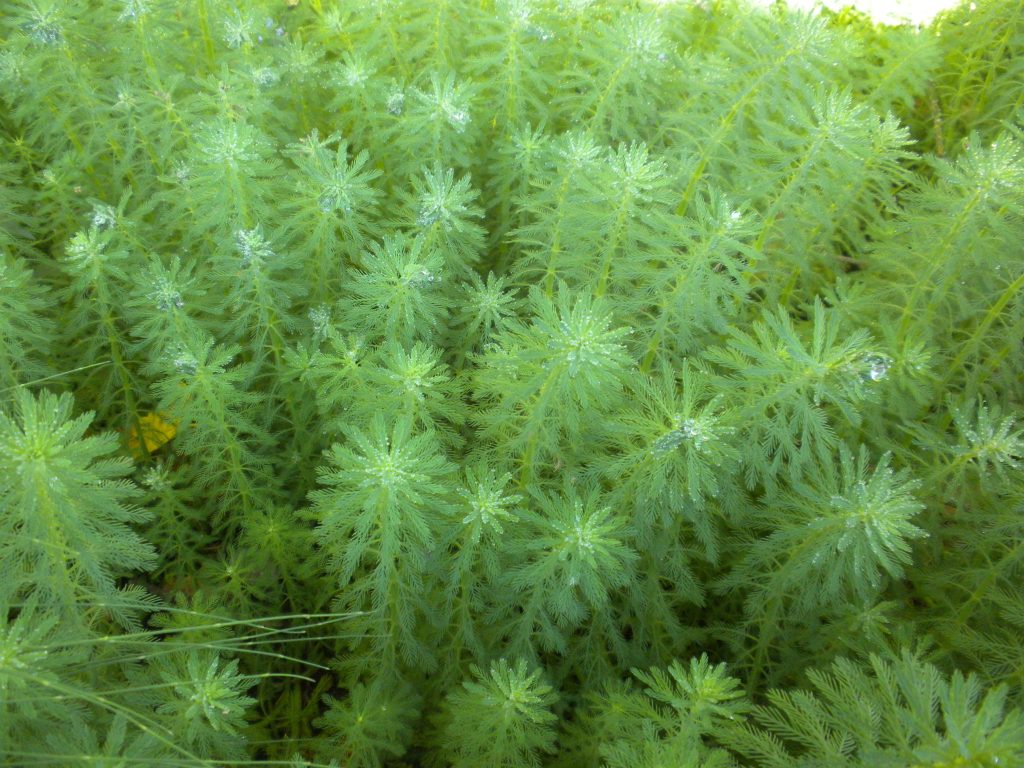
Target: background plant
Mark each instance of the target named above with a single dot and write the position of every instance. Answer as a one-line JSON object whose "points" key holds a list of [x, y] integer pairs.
{"points": [[516, 382]]}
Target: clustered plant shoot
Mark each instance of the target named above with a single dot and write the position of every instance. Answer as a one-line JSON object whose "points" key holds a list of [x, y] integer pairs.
{"points": [[510, 383]]}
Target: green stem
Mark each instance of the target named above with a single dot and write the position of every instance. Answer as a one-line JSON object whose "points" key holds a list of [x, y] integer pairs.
{"points": [[976, 337]]}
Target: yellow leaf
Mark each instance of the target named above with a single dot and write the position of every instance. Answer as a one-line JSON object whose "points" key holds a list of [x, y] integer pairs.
{"points": [[155, 433]]}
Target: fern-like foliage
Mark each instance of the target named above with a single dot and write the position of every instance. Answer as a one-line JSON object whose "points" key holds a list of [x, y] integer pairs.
{"points": [[370, 725], [797, 388], [95, 263], [892, 713], [34, 648], [834, 540], [672, 447], [675, 718], [25, 331], [445, 217], [500, 717], [68, 509], [544, 382], [377, 517], [203, 392], [203, 702], [574, 557], [328, 217], [395, 293], [419, 335], [837, 534]]}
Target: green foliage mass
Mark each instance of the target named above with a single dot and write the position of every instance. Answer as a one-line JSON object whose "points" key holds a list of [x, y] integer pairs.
{"points": [[479, 383]]}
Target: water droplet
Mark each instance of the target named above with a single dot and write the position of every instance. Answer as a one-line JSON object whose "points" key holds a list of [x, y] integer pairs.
{"points": [[264, 77], [253, 247], [238, 30], [132, 10], [353, 77], [186, 364], [429, 215], [540, 33], [875, 367], [457, 118], [182, 173], [165, 295], [43, 30], [334, 199], [422, 278], [396, 103], [697, 431], [104, 216], [668, 442], [320, 316]]}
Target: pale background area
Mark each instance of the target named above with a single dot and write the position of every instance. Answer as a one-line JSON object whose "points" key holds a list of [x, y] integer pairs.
{"points": [[891, 11]]}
